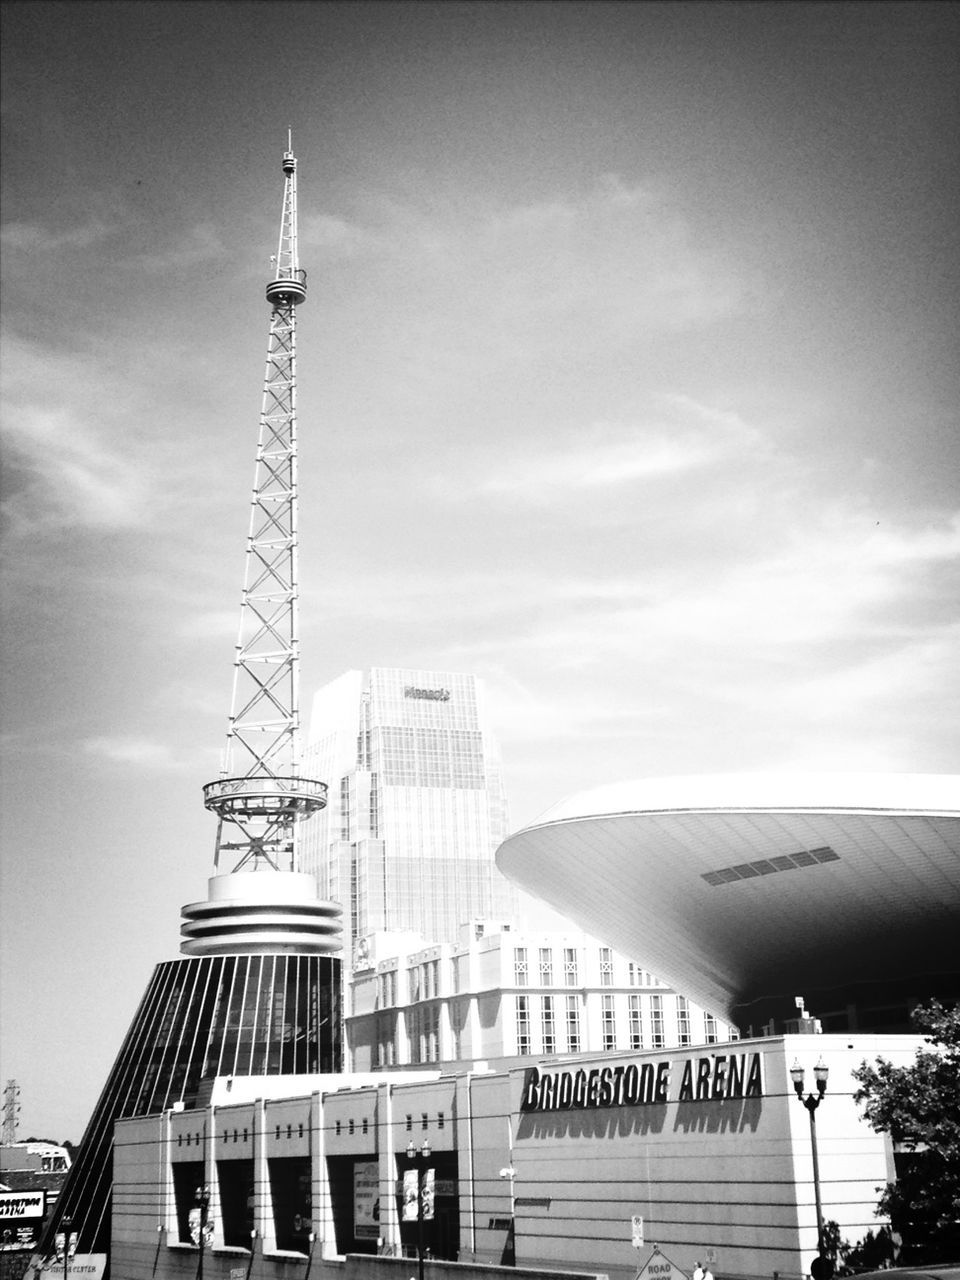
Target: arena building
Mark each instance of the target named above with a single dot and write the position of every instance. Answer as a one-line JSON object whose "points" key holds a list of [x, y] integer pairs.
{"points": [[548, 1167], [744, 891]]}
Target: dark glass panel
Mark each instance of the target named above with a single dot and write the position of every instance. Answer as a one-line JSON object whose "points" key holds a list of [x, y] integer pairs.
{"points": [[218, 1031], [290, 1188], [236, 1201], [248, 1016], [261, 1038], [187, 1179], [212, 984]]}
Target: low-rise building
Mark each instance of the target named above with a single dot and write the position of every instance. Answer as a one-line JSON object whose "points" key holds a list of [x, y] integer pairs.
{"points": [[568, 1164], [501, 993]]}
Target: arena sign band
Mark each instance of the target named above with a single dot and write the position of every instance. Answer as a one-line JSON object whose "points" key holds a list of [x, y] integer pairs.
{"points": [[707, 1079]]}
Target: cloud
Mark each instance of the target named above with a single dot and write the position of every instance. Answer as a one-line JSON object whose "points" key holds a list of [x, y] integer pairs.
{"points": [[69, 465], [614, 260], [32, 238], [200, 244], [138, 753], [336, 237], [211, 624], [607, 455]]}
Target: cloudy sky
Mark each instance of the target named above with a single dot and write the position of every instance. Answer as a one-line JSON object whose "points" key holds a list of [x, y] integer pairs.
{"points": [[627, 381]]}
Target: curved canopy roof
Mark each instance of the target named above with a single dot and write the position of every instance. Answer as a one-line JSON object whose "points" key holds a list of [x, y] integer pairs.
{"points": [[737, 887]]}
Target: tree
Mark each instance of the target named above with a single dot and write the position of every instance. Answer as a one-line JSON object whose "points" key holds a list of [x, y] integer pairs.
{"points": [[919, 1106]]}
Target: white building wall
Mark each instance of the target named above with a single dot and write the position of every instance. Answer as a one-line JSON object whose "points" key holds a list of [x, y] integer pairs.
{"points": [[485, 983], [725, 1171]]}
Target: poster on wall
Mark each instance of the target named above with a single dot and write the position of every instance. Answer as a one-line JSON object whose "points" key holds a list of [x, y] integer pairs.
{"points": [[21, 1217], [366, 1200], [411, 1186]]}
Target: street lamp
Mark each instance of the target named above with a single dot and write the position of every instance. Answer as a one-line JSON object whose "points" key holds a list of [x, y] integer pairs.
{"points": [[65, 1225], [822, 1269], [414, 1155], [202, 1200]]}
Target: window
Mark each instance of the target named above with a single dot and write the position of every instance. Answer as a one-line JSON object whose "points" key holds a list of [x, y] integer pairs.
{"points": [[546, 966], [548, 1026], [636, 1023], [657, 1040], [683, 1019], [430, 1034], [710, 1028], [387, 989], [573, 1024], [374, 806], [570, 977], [606, 967], [520, 966], [187, 1176], [345, 809], [290, 1192], [609, 1023], [523, 1024]]}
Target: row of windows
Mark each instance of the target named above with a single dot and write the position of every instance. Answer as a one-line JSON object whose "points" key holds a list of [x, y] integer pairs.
{"points": [[633, 1032], [424, 979], [636, 976], [621, 1027]]}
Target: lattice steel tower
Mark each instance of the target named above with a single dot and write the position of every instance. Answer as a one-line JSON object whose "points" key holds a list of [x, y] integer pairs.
{"points": [[259, 797], [257, 990]]}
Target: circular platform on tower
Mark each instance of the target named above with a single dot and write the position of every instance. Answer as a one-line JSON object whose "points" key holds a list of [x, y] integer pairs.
{"points": [[263, 797], [288, 289]]}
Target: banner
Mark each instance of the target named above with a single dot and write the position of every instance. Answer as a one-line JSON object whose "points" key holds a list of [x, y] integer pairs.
{"points": [[410, 1188], [366, 1200], [427, 1192]]}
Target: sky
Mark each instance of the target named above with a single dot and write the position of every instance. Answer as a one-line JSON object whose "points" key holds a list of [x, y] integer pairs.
{"points": [[627, 381]]}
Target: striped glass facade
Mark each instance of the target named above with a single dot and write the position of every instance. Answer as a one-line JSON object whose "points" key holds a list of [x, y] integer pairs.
{"points": [[202, 1017]]}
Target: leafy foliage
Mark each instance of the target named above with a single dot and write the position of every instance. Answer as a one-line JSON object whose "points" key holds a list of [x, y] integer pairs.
{"points": [[919, 1106]]}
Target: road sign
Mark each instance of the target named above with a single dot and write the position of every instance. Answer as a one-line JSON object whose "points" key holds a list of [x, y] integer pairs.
{"points": [[636, 1223], [659, 1267]]}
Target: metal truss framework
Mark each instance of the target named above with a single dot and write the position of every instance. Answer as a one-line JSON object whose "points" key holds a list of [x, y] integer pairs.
{"points": [[260, 792]]}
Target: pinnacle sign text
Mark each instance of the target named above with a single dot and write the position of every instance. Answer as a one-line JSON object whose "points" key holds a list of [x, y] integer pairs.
{"points": [[715, 1078], [432, 695]]}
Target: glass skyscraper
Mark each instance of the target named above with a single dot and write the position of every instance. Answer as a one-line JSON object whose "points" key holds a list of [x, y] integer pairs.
{"points": [[415, 804]]}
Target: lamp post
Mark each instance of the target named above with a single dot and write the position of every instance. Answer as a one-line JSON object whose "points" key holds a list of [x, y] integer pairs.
{"points": [[822, 1269], [66, 1223], [415, 1156], [202, 1200]]}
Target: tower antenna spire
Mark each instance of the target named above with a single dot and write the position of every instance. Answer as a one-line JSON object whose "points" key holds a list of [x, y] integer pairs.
{"points": [[260, 798]]}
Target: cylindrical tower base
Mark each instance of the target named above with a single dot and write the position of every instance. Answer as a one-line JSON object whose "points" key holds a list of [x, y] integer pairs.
{"points": [[261, 912]]}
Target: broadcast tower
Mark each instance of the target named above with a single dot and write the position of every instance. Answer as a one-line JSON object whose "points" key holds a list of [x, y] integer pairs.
{"points": [[258, 992]]}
